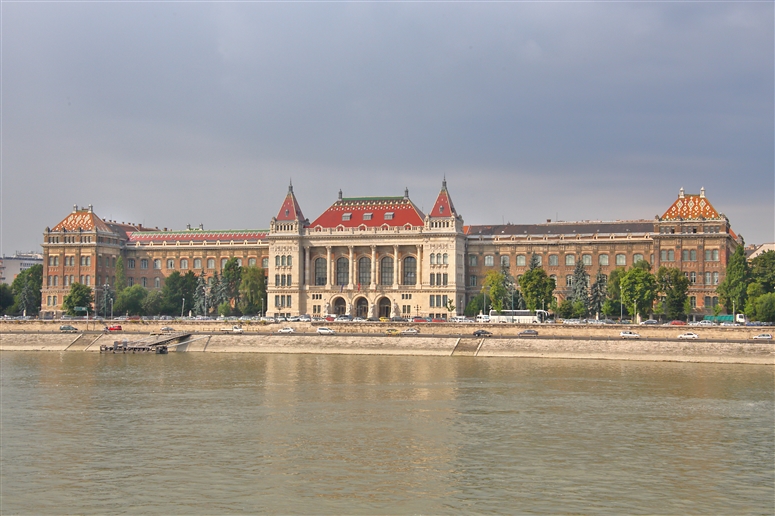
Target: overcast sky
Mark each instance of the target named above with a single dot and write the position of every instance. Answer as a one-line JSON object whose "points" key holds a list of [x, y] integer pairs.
{"points": [[170, 114]]}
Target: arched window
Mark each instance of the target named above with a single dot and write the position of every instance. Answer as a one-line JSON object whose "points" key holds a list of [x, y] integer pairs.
{"points": [[569, 280], [197, 263], [342, 271], [386, 271], [364, 271], [211, 263], [602, 259], [433, 259], [223, 262], [639, 257], [446, 259], [586, 259], [289, 261], [170, 264], [410, 270], [282, 261], [184, 263], [621, 259], [157, 282], [504, 260], [157, 264], [521, 260], [570, 259], [277, 261], [554, 260], [320, 271]]}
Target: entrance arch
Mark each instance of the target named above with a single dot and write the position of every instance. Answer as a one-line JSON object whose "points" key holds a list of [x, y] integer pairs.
{"points": [[340, 306], [362, 307], [385, 306]]}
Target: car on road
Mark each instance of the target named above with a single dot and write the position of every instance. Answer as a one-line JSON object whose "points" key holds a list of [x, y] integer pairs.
{"points": [[167, 329], [66, 328], [650, 321], [763, 336], [392, 331], [706, 322], [343, 318], [677, 322], [233, 329], [287, 329], [419, 319], [384, 319], [115, 327], [482, 333], [688, 335], [528, 333], [729, 323], [322, 330], [410, 331], [629, 335]]}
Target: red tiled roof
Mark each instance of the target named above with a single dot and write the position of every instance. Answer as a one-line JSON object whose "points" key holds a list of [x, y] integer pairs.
{"points": [[290, 210], [691, 206], [198, 235], [84, 220], [443, 206], [404, 212]]}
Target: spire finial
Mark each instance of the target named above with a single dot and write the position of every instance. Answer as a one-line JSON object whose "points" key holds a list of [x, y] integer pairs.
{"points": [[702, 192], [290, 186], [444, 182], [340, 194], [681, 193], [406, 192]]}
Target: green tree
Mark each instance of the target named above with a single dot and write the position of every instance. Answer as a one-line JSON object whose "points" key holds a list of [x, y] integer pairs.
{"points": [[231, 276], [450, 306], [475, 306], [495, 285], [763, 271], [765, 307], [6, 297], [754, 290], [643, 264], [26, 288], [215, 286], [200, 295], [638, 289], [733, 290], [673, 286], [580, 289], [120, 275], [597, 294], [612, 286], [153, 303], [79, 295], [537, 288], [177, 288], [252, 290], [131, 300], [565, 310]]}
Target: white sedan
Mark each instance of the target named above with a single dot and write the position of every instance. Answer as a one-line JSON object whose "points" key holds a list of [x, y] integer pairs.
{"points": [[322, 330], [688, 335], [410, 331], [287, 329], [629, 335], [763, 336]]}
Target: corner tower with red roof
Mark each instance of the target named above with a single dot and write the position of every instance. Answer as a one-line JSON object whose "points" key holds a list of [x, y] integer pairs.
{"points": [[443, 215]]}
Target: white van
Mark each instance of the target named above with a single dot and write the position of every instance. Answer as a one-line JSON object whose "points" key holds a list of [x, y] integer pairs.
{"points": [[481, 318]]}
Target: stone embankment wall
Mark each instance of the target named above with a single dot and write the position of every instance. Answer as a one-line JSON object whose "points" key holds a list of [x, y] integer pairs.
{"points": [[751, 352], [579, 331]]}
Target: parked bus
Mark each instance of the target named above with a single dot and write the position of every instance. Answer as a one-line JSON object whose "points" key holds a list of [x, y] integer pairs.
{"points": [[519, 316]]}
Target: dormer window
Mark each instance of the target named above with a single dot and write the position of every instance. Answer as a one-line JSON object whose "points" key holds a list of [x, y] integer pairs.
{"points": [[441, 209], [367, 216], [346, 216], [287, 212], [389, 215]]}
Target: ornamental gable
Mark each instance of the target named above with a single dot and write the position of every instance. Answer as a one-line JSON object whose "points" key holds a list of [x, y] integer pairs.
{"points": [[290, 210], [691, 206], [443, 206]]}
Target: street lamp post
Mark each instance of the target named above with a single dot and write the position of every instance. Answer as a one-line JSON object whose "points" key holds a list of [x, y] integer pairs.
{"points": [[111, 308], [105, 288], [182, 307]]}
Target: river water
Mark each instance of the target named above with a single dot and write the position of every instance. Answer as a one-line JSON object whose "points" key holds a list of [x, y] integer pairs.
{"points": [[200, 433]]}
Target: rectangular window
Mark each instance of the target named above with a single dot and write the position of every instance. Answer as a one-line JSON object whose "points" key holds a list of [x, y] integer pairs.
{"points": [[692, 278], [621, 259], [586, 259], [276, 280], [130, 281], [197, 263], [521, 260], [367, 216], [489, 261], [708, 302], [554, 260], [570, 259], [685, 255], [184, 264], [715, 278], [707, 278], [715, 255], [433, 301], [472, 261], [670, 255], [157, 264], [504, 260], [444, 279], [130, 263], [288, 304], [211, 263], [389, 215], [693, 301], [251, 262], [276, 300], [444, 301], [433, 279], [346, 216], [55, 299], [265, 263], [472, 280], [693, 255]]}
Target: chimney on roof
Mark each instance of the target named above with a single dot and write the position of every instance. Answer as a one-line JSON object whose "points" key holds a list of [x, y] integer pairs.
{"points": [[188, 226], [702, 192], [91, 209], [75, 208], [340, 194], [406, 193], [681, 193], [202, 226]]}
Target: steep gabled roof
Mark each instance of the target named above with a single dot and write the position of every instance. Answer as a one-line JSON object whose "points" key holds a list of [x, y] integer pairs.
{"points": [[443, 206], [290, 210], [691, 206], [351, 212], [82, 219]]}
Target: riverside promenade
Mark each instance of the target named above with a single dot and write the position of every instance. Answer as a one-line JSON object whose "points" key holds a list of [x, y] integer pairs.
{"points": [[599, 342]]}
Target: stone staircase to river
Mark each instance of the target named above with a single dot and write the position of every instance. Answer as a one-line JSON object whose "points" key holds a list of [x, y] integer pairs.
{"points": [[467, 347]]}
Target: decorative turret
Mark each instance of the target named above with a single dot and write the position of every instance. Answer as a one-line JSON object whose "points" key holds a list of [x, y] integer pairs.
{"points": [[443, 209], [290, 217]]}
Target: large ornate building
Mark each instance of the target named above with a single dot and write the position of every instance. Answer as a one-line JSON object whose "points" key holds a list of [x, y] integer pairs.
{"points": [[381, 256]]}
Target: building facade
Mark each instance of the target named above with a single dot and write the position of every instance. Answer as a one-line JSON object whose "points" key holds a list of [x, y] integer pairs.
{"points": [[12, 266], [382, 257]]}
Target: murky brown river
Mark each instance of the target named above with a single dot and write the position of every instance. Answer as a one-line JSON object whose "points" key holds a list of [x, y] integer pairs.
{"points": [[196, 433]]}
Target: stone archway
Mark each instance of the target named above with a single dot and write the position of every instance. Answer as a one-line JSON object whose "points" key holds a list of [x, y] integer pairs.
{"points": [[385, 307], [340, 306], [362, 307]]}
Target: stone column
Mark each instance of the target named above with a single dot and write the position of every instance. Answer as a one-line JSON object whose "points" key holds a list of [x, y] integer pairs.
{"points": [[352, 269], [330, 265], [306, 266], [398, 267], [419, 266], [373, 284]]}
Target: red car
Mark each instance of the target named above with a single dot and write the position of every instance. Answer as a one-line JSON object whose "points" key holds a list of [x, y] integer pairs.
{"points": [[115, 327], [677, 323]]}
